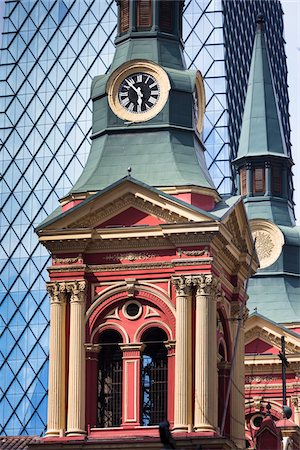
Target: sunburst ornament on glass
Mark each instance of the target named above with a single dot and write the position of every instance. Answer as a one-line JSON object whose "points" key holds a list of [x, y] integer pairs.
{"points": [[138, 90]]}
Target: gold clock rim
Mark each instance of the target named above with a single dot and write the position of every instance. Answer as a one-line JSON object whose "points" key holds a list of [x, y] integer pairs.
{"points": [[127, 69]]}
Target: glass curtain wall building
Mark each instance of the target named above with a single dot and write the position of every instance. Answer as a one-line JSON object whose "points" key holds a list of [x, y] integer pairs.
{"points": [[50, 51]]}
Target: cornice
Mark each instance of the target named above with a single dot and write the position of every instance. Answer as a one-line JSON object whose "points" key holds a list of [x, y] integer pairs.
{"points": [[132, 266]]}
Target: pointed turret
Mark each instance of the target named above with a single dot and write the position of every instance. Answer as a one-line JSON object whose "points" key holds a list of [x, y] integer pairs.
{"points": [[262, 161], [264, 168], [148, 110]]}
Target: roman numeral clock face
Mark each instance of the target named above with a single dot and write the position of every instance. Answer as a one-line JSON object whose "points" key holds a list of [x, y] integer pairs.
{"points": [[139, 93], [138, 90]]}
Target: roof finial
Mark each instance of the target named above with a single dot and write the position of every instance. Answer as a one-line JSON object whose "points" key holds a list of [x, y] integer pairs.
{"points": [[129, 171]]}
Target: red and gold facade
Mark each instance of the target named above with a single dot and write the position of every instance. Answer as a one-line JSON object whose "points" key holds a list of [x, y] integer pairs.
{"points": [[169, 282]]}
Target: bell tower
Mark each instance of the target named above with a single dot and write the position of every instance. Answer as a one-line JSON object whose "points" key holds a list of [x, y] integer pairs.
{"points": [[148, 263]]}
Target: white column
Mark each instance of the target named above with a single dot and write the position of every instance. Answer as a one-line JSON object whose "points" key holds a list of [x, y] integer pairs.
{"points": [[206, 372], [183, 355], [237, 405], [76, 387], [57, 382]]}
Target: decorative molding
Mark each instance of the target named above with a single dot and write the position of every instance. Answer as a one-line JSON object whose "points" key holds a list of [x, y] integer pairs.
{"points": [[269, 241], [269, 337], [77, 289], [204, 252], [237, 239], [133, 266], [183, 285], [130, 285], [129, 256], [102, 214], [207, 284], [57, 292], [93, 348], [67, 261], [113, 314]]}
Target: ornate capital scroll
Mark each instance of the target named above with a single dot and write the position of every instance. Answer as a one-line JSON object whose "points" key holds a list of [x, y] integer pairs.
{"points": [[77, 290], [183, 285], [207, 285], [239, 312], [57, 292]]}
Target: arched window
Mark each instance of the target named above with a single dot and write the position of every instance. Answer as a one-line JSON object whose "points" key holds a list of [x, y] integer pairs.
{"points": [[154, 374], [109, 411]]}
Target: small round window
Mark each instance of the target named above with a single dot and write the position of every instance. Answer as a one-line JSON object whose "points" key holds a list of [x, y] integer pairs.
{"points": [[132, 309], [256, 421]]}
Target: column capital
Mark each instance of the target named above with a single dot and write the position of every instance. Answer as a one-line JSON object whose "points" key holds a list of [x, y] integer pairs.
{"points": [[132, 347], [77, 290], [207, 284], [57, 291], [93, 348], [170, 345], [239, 311], [183, 285]]}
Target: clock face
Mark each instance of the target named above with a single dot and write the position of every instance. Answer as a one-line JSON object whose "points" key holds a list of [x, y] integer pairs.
{"points": [[139, 93]]}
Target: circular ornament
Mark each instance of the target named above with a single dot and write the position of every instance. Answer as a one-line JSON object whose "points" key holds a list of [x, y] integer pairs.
{"points": [[269, 241], [199, 102], [138, 90], [132, 309]]}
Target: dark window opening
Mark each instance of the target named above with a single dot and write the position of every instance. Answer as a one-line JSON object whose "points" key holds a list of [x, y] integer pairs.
{"points": [[109, 413], [165, 16], [276, 181], [154, 374], [124, 16], [259, 180], [144, 14], [243, 181]]}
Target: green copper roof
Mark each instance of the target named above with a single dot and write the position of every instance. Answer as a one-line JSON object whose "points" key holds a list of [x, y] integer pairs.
{"points": [[166, 157], [275, 290], [261, 132]]}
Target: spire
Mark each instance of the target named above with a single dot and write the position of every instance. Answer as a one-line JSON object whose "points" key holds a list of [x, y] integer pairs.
{"points": [[261, 132], [263, 163]]}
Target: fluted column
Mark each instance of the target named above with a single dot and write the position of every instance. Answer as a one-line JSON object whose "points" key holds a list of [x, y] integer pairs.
{"points": [[183, 357], [238, 378], [76, 391], [57, 382], [206, 372]]}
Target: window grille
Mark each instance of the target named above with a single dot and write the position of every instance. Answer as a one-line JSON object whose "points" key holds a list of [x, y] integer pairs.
{"points": [[144, 14], [154, 376], [110, 386]]}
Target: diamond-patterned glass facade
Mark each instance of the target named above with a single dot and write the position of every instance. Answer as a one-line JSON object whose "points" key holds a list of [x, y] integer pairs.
{"points": [[50, 52]]}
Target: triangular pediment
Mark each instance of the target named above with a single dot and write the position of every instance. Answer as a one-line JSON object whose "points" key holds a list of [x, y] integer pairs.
{"points": [[127, 203], [261, 333], [132, 217]]}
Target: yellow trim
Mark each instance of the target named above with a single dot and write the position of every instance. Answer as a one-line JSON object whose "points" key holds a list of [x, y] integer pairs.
{"points": [[130, 68]]}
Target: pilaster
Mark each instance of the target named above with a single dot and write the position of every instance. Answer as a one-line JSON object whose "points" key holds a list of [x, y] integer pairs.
{"points": [[183, 359], [171, 346], [57, 382], [206, 372], [92, 361], [76, 392], [131, 384], [238, 377]]}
